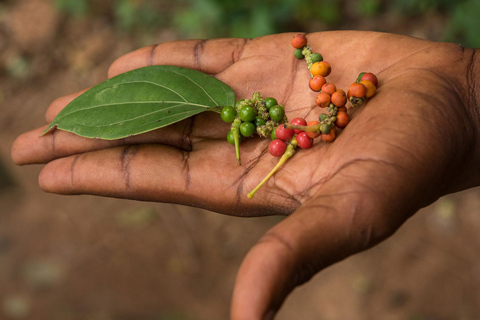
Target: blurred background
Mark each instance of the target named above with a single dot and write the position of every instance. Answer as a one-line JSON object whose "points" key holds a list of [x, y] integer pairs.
{"points": [[85, 257]]}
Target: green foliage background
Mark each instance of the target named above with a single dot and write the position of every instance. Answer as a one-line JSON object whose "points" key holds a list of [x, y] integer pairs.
{"points": [[250, 18]]}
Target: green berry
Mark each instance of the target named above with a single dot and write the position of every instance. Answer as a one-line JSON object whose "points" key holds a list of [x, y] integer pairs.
{"points": [[231, 138], [325, 128], [316, 57], [276, 113], [322, 117], [259, 122], [272, 135], [299, 54], [237, 104], [247, 129], [270, 102], [228, 114], [248, 113]]}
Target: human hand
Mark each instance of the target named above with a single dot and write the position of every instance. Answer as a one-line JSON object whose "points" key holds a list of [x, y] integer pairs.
{"points": [[406, 147]]}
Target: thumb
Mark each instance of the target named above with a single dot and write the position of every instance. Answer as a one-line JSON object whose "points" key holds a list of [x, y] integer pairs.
{"points": [[326, 229]]}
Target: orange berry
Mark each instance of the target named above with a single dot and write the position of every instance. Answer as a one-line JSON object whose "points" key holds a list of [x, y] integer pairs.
{"points": [[316, 83], [371, 89], [342, 109], [329, 88], [339, 98], [313, 135], [329, 137], [342, 119], [357, 90], [299, 41], [321, 68], [322, 100]]}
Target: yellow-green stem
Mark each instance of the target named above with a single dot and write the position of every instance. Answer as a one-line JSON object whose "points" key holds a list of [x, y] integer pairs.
{"points": [[236, 138], [289, 152]]}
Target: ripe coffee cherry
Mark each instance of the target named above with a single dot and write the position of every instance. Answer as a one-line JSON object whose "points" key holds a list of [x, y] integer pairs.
{"points": [[357, 90], [304, 141], [276, 113], [231, 138], [342, 119], [321, 68], [277, 148], [330, 136], [371, 89], [370, 77], [247, 129], [270, 102], [228, 114], [323, 100], [283, 134], [298, 122], [247, 113], [313, 134], [329, 88], [316, 83], [299, 41], [339, 98]]}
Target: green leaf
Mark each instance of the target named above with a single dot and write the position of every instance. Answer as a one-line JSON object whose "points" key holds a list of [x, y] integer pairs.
{"points": [[142, 100]]}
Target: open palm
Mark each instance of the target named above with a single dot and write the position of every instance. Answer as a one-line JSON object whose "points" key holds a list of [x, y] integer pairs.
{"points": [[406, 147]]}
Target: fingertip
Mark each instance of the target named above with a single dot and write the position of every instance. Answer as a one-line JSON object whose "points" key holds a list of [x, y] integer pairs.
{"points": [[133, 60], [16, 151], [58, 104], [56, 176]]}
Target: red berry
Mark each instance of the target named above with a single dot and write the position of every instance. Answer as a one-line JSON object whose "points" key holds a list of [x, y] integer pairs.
{"points": [[299, 41], [283, 134], [304, 141], [370, 77], [298, 122], [277, 148]]}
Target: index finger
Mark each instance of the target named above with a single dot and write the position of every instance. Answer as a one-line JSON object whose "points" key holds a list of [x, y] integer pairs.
{"points": [[209, 56]]}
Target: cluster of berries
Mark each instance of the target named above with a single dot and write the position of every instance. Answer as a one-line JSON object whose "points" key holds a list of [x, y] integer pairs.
{"points": [[252, 116], [299, 133]]}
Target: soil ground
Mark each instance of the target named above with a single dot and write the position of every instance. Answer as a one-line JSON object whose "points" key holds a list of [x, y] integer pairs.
{"points": [[85, 257]]}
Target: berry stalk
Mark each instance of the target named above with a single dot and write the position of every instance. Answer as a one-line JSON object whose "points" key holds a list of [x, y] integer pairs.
{"points": [[289, 152], [236, 136]]}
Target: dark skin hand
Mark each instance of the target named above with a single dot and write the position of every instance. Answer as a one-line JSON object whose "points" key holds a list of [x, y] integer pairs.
{"points": [[415, 141]]}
